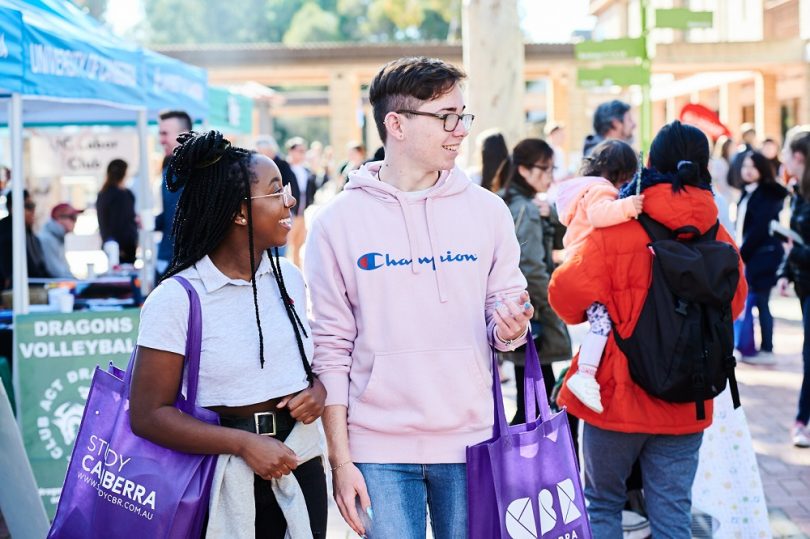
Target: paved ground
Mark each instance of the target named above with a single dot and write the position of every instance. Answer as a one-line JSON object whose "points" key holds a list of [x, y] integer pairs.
{"points": [[769, 396]]}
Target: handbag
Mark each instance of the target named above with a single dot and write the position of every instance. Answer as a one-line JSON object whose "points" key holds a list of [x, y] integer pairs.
{"points": [[121, 485], [524, 483]]}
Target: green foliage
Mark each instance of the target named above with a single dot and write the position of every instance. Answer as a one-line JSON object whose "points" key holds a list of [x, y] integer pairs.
{"points": [[300, 21], [311, 23]]}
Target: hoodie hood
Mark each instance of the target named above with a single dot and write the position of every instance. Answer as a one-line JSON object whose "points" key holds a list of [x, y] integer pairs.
{"points": [[570, 191], [450, 183], [54, 229]]}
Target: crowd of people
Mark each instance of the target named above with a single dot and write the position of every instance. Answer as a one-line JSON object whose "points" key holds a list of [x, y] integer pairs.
{"points": [[413, 270]]}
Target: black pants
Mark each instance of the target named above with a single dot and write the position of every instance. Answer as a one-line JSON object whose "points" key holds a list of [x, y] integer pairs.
{"points": [[270, 522]]}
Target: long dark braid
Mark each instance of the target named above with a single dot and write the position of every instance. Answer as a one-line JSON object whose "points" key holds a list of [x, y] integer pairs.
{"points": [[217, 178], [292, 314]]}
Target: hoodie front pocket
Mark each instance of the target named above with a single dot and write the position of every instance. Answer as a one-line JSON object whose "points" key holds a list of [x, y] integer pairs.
{"points": [[425, 391]]}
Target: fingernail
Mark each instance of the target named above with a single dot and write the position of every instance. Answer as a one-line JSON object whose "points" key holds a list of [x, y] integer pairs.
{"points": [[370, 513], [527, 306]]}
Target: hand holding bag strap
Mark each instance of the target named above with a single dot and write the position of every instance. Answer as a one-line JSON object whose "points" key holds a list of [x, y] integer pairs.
{"points": [[533, 384]]}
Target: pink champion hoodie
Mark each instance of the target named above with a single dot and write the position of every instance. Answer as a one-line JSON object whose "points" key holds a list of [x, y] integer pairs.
{"points": [[402, 288]]}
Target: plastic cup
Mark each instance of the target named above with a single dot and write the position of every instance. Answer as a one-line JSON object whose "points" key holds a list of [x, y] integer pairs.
{"points": [[66, 302]]}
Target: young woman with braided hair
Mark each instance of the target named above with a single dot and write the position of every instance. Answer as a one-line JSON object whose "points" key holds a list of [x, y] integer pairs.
{"points": [[256, 345]]}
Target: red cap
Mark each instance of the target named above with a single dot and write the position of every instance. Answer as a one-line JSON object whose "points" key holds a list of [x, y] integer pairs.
{"points": [[64, 209]]}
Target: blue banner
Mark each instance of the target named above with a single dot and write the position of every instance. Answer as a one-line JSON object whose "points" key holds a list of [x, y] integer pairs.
{"points": [[60, 66], [172, 84], [51, 49], [11, 61]]}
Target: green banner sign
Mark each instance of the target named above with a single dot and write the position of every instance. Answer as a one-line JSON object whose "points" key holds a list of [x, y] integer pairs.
{"points": [[683, 19], [55, 356], [611, 49], [229, 112], [617, 75]]}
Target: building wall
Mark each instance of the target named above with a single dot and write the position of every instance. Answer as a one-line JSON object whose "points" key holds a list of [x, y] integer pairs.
{"points": [[781, 19], [734, 20]]}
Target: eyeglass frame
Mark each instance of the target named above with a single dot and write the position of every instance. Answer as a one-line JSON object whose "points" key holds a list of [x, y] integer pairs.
{"points": [[545, 168], [443, 118], [285, 194]]}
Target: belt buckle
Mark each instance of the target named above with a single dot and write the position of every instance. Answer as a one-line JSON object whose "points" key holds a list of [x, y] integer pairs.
{"points": [[258, 421]]}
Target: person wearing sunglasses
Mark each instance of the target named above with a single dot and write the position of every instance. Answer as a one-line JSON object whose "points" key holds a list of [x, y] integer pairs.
{"points": [[35, 256], [413, 271], [52, 237]]}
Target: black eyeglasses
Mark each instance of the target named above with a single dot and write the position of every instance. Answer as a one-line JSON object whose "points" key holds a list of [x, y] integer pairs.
{"points": [[30, 206], [450, 119], [544, 168]]}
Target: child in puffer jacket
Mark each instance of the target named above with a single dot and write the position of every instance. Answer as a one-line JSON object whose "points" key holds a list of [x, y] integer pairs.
{"points": [[584, 203]]}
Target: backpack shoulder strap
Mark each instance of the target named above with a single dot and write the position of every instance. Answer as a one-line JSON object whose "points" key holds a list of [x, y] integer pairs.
{"points": [[655, 230], [711, 234]]}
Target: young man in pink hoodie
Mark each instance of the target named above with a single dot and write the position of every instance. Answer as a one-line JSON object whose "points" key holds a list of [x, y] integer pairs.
{"points": [[413, 273]]}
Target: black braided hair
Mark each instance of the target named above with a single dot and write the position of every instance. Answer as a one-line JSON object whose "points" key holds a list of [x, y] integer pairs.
{"points": [[292, 314], [216, 178]]}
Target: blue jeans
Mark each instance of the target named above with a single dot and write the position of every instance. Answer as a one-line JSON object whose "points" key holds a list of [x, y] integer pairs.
{"points": [[744, 328], [400, 494], [803, 414], [668, 467]]}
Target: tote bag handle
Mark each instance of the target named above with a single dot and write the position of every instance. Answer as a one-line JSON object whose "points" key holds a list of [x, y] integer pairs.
{"points": [[193, 346], [534, 390]]}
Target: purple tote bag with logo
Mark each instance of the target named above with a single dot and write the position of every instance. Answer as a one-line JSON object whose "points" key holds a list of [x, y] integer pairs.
{"points": [[120, 485], [523, 483]]}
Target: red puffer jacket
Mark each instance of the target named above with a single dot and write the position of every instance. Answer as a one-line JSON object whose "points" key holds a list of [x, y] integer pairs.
{"points": [[614, 267]]}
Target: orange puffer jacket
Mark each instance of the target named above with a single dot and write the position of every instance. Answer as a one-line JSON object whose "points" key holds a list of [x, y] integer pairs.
{"points": [[614, 267]]}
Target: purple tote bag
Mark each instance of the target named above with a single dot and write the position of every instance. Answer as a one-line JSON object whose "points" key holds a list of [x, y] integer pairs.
{"points": [[120, 485], [523, 483]]}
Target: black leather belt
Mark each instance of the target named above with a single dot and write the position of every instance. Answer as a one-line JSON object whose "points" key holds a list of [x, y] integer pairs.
{"points": [[276, 424]]}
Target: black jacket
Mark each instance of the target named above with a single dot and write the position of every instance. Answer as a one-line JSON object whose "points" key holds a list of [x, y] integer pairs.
{"points": [[761, 252], [36, 258], [116, 221], [796, 265]]}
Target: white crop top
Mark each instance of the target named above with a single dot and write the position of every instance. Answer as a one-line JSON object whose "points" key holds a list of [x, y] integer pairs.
{"points": [[230, 371]]}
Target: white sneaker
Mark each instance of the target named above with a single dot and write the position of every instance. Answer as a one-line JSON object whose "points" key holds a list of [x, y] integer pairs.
{"points": [[801, 436], [635, 526], [762, 358], [586, 389]]}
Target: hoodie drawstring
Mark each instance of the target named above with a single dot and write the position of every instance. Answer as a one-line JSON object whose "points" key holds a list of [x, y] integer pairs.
{"points": [[434, 251], [406, 214]]}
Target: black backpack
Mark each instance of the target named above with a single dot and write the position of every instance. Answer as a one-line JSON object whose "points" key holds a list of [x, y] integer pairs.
{"points": [[681, 349]]}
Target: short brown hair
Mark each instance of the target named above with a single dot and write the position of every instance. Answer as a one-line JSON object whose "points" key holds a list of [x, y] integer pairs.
{"points": [[406, 83], [611, 159]]}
